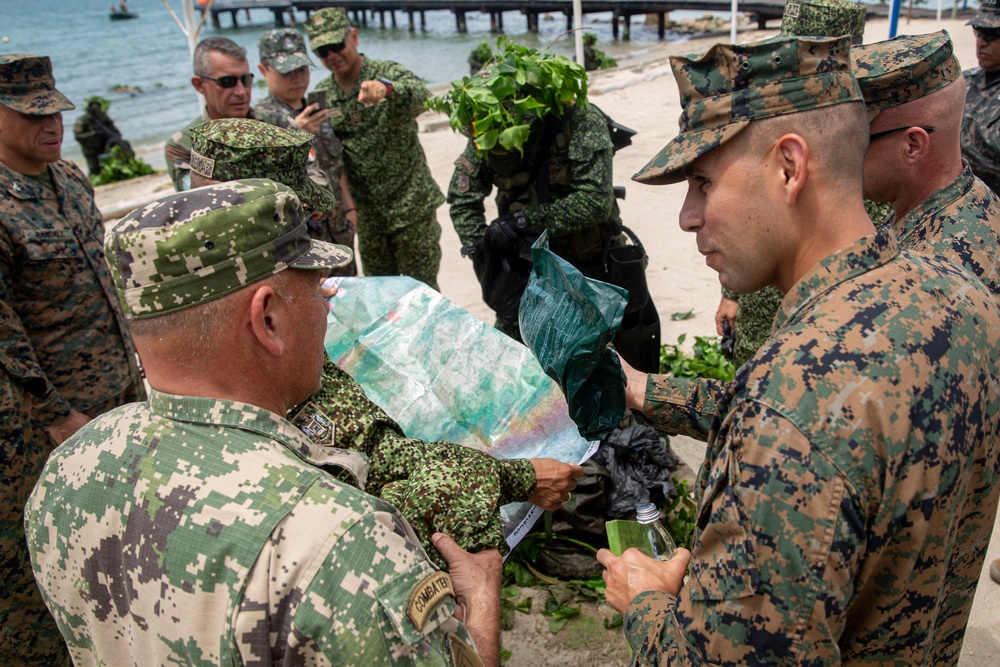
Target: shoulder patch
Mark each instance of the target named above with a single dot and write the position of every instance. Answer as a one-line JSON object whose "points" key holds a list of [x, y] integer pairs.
{"points": [[463, 161], [314, 423], [463, 655], [463, 182], [426, 595]]}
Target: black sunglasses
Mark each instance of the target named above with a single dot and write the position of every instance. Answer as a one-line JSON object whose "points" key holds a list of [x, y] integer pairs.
{"points": [[987, 34], [229, 81], [879, 135], [327, 49]]}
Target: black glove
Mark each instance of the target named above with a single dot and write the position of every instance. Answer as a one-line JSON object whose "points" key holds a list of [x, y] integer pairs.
{"points": [[505, 232]]}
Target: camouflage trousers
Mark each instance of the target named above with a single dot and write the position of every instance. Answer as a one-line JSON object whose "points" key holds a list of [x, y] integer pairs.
{"points": [[414, 250], [334, 227], [28, 633]]}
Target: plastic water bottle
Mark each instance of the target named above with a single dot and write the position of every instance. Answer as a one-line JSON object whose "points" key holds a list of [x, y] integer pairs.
{"points": [[658, 543]]}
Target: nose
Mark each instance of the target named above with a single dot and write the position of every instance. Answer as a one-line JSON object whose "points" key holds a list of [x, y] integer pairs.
{"points": [[691, 218]]}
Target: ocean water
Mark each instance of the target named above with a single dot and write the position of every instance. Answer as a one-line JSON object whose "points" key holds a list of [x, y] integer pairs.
{"points": [[92, 54]]}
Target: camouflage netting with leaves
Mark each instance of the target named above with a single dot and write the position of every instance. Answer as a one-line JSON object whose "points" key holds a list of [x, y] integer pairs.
{"points": [[496, 107]]}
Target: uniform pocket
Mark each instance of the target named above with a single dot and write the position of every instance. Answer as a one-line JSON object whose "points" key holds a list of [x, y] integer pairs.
{"points": [[723, 566]]}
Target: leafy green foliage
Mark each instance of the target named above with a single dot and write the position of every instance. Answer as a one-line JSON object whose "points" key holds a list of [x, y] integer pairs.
{"points": [[680, 515], [593, 57], [120, 167], [496, 109], [678, 317], [706, 361]]}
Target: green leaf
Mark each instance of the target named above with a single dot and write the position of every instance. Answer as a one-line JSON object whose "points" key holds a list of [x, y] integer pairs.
{"points": [[513, 138], [524, 606], [615, 621], [676, 317]]}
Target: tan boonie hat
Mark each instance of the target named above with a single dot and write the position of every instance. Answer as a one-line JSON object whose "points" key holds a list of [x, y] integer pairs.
{"points": [[904, 69], [987, 16], [230, 149], [188, 248], [824, 18], [27, 85], [730, 85], [284, 50], [327, 26]]}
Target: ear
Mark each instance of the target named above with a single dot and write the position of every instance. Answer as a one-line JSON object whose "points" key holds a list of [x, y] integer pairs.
{"points": [[792, 153], [266, 311], [198, 83], [263, 70], [918, 143]]}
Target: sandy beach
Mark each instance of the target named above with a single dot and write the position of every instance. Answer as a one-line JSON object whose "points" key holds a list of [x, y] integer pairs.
{"points": [[642, 95]]}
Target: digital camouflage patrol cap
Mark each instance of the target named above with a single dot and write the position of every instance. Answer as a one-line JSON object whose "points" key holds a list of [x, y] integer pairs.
{"points": [[824, 18], [230, 149], [904, 69], [27, 85], [726, 88], [188, 248], [284, 50], [327, 26], [987, 16]]}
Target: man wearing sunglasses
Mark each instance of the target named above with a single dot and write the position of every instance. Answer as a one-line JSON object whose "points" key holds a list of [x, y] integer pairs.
{"points": [[981, 120], [373, 106], [222, 75]]}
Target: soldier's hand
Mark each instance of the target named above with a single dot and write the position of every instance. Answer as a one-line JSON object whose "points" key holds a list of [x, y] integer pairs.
{"points": [[506, 232], [311, 118], [68, 426], [372, 92], [726, 313], [476, 579], [553, 482], [634, 572]]}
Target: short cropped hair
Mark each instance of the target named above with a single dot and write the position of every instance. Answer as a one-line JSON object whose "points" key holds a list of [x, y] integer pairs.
{"points": [[202, 66]]}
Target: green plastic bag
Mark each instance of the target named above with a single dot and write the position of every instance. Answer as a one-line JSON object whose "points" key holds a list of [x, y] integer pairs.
{"points": [[567, 321]]}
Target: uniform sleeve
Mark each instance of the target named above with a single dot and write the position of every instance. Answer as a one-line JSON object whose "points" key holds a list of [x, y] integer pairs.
{"points": [[778, 545], [471, 183], [409, 92], [591, 190], [682, 406]]}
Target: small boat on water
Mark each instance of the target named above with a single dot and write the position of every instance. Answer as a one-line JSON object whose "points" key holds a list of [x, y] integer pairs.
{"points": [[121, 16]]}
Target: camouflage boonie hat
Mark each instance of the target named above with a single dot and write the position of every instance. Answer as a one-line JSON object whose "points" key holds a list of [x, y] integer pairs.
{"points": [[904, 69], [327, 26], [229, 149], [284, 50], [27, 85], [188, 248], [987, 17], [730, 85], [824, 18]]}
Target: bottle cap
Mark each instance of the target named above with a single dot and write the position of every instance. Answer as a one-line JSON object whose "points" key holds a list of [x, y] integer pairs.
{"points": [[647, 513]]}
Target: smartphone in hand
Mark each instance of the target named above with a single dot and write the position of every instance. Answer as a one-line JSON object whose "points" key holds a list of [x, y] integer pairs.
{"points": [[317, 97]]}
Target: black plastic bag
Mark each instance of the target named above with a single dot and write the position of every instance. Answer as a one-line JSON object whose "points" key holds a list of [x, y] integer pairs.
{"points": [[567, 320], [640, 465]]}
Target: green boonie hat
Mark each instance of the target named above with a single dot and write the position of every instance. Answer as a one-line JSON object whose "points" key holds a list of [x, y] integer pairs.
{"points": [[987, 16], [188, 248], [284, 50], [27, 85], [829, 18], [904, 69], [230, 149], [730, 85], [327, 26]]}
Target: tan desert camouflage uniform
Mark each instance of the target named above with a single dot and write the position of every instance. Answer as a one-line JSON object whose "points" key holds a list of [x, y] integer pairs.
{"points": [[392, 186], [849, 486], [200, 531]]}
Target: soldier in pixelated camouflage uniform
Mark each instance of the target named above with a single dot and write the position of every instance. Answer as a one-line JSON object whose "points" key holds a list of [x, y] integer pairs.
{"points": [[751, 315], [572, 149], [905, 81], [981, 118], [849, 486], [207, 529], [284, 64], [426, 482], [373, 106], [64, 319]]}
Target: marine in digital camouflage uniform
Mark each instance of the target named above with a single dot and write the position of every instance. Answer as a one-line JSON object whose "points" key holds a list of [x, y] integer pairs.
{"points": [[849, 486], [426, 482], [284, 51], [396, 196], [831, 18], [206, 530], [960, 220], [61, 321], [214, 58], [981, 119], [580, 212]]}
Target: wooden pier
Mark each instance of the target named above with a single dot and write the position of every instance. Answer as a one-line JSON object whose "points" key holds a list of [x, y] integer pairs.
{"points": [[622, 10]]}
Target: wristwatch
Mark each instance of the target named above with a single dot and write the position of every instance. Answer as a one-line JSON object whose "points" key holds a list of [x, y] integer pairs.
{"points": [[388, 85]]}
